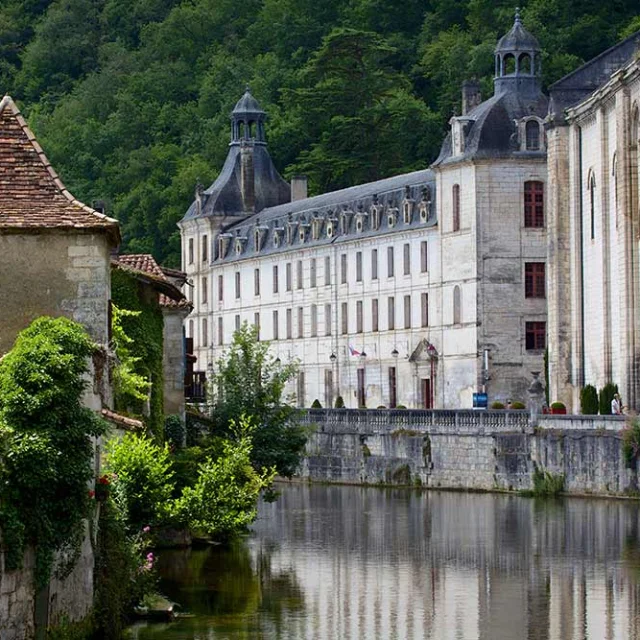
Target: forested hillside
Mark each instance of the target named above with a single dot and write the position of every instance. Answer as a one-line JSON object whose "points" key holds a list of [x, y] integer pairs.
{"points": [[131, 98]]}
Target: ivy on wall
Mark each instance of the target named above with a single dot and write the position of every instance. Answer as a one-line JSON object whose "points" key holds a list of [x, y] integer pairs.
{"points": [[145, 329]]}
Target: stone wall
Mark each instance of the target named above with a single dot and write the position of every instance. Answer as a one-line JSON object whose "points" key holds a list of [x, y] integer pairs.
{"points": [[489, 450]]}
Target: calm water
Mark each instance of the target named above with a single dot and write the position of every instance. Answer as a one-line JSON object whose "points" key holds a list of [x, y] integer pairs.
{"points": [[347, 562]]}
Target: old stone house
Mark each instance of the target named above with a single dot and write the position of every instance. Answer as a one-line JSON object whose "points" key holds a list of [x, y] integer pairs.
{"points": [[419, 289]]}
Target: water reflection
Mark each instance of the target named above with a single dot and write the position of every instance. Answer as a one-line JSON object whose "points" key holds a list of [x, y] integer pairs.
{"points": [[347, 562]]}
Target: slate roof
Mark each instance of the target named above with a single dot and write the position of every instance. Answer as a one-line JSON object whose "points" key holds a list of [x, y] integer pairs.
{"points": [[357, 200], [33, 199], [144, 263], [247, 104], [517, 39]]}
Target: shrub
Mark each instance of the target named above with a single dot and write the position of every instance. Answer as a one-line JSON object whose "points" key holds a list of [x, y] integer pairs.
{"points": [[547, 484], [605, 397], [381, 406], [631, 443], [339, 403], [518, 405], [316, 404], [400, 406], [223, 500], [143, 479], [497, 405], [558, 405], [589, 400], [174, 431]]}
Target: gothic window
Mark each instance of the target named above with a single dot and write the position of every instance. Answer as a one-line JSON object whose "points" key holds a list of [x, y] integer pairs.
{"points": [[592, 205], [532, 135], [455, 196], [535, 336], [534, 280], [457, 305], [533, 203]]}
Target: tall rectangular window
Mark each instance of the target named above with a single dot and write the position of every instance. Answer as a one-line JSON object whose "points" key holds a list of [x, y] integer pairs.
{"points": [[301, 389], [237, 322], [533, 203], [393, 388], [534, 280], [343, 268], [391, 312], [327, 270], [299, 274], [390, 262], [424, 257], [407, 312], [407, 259], [205, 248], [362, 400], [256, 322], [535, 336], [237, 284], [300, 322], [205, 332], [359, 323], [328, 388], [220, 288], [220, 330], [190, 250], [205, 290], [287, 273], [312, 273], [345, 317], [455, 196], [374, 264], [289, 324], [374, 314], [314, 320], [359, 266], [424, 308], [276, 283], [256, 282], [276, 328], [327, 319]]}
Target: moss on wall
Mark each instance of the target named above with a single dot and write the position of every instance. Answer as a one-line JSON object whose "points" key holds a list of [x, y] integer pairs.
{"points": [[146, 330]]}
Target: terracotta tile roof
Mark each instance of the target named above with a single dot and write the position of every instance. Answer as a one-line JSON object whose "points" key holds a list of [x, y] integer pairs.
{"points": [[32, 197], [170, 295], [130, 424]]}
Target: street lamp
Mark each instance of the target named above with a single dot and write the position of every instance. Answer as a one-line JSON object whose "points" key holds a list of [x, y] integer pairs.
{"points": [[395, 353], [333, 357]]}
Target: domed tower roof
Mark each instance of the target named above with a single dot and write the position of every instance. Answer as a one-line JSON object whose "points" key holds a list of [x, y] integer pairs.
{"points": [[518, 39], [247, 105]]}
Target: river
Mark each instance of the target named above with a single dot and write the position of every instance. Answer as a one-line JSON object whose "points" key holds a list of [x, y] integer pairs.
{"points": [[338, 562]]}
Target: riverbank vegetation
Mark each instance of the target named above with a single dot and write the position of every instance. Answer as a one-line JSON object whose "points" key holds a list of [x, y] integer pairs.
{"points": [[131, 99]]}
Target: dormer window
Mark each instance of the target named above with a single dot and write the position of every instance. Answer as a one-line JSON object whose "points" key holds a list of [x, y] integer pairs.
{"points": [[460, 126], [425, 204], [376, 211], [330, 229], [316, 227], [344, 221], [391, 218], [238, 246], [291, 227], [223, 245], [302, 233], [532, 135], [359, 224], [278, 234]]}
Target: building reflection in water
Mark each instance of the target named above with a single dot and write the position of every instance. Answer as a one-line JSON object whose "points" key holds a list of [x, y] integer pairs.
{"points": [[397, 564]]}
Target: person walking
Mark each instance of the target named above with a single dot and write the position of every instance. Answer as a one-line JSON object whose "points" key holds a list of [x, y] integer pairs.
{"points": [[616, 405]]}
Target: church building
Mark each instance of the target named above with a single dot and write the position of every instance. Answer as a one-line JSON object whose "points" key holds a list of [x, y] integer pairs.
{"points": [[417, 290]]}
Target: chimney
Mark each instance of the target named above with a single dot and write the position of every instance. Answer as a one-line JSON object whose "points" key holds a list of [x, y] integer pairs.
{"points": [[471, 96], [99, 206], [247, 182], [298, 188]]}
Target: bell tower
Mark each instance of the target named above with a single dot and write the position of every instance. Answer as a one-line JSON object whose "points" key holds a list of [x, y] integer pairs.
{"points": [[247, 121]]}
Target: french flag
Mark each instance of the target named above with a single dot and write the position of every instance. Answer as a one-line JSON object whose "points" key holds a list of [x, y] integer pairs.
{"points": [[354, 352]]}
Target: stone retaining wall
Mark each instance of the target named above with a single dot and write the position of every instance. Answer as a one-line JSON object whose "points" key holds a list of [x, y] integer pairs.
{"points": [[466, 450]]}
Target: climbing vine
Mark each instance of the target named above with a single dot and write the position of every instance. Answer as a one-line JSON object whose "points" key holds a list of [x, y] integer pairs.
{"points": [[144, 329], [46, 448]]}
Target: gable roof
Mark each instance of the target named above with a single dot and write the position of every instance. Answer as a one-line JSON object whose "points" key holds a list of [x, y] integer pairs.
{"points": [[33, 199], [148, 270]]}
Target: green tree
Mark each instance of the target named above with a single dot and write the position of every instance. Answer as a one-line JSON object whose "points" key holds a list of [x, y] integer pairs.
{"points": [[605, 397], [250, 382], [589, 400]]}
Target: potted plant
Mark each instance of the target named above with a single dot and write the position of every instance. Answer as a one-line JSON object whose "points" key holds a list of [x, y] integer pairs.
{"points": [[497, 406], [558, 408]]}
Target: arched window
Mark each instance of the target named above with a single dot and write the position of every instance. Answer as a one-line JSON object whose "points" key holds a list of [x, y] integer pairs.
{"points": [[457, 305], [508, 65], [524, 64], [533, 203], [455, 196], [592, 204], [532, 135]]}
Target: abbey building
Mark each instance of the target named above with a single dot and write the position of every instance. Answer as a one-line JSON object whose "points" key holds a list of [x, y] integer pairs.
{"points": [[417, 290]]}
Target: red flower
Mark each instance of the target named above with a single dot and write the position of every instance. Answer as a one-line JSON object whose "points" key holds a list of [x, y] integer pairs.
{"points": [[92, 493], [104, 480]]}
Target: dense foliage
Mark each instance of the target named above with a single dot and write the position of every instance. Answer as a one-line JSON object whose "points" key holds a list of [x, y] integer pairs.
{"points": [[606, 396], [250, 382], [589, 400], [131, 97], [138, 341], [47, 454]]}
